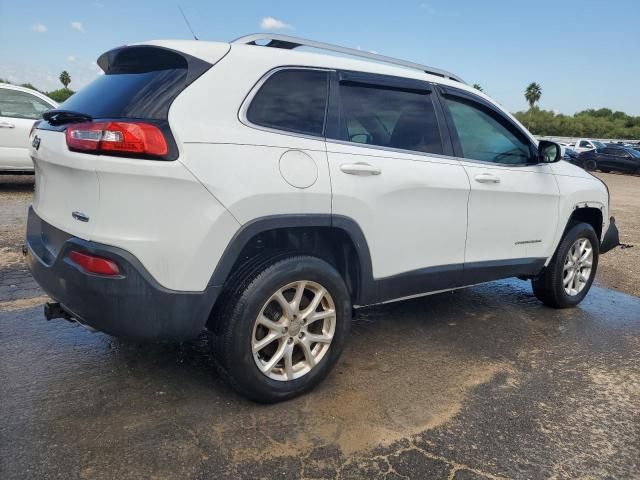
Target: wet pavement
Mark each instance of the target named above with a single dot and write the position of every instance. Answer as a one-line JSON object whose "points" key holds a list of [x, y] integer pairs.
{"points": [[474, 384], [479, 383]]}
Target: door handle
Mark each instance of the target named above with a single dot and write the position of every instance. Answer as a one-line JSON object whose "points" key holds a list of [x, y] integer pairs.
{"points": [[360, 168], [7, 125], [487, 178]]}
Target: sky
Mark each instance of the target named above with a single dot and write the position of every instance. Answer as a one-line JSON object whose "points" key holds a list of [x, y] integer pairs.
{"points": [[584, 53]]}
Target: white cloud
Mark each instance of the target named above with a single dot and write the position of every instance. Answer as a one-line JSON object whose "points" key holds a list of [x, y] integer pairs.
{"points": [[78, 26], [428, 8], [39, 27], [71, 58], [270, 23]]}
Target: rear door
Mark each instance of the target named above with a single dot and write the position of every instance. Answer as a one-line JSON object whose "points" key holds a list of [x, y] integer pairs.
{"points": [[393, 174], [18, 111], [513, 205]]}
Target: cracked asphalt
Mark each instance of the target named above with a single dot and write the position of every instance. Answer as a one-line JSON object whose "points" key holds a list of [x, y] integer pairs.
{"points": [[474, 384]]}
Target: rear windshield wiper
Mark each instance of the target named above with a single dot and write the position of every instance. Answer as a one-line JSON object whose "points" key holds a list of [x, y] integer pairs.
{"points": [[59, 117]]}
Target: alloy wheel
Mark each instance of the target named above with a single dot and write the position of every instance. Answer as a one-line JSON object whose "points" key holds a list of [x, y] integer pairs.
{"points": [[293, 330], [577, 267]]}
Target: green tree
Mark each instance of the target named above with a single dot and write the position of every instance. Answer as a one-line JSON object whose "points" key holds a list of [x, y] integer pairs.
{"points": [[477, 86], [65, 78], [532, 95], [60, 95]]}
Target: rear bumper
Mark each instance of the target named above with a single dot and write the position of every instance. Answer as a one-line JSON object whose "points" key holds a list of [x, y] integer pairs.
{"points": [[611, 237], [132, 304]]}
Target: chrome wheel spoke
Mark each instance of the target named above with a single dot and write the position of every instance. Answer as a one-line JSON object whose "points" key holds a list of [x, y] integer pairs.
{"points": [[319, 295], [314, 317], [275, 358], [308, 354], [288, 362], [266, 341], [284, 304], [315, 338], [270, 324]]}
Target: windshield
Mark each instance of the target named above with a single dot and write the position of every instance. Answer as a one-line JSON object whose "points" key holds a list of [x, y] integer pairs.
{"points": [[599, 144]]}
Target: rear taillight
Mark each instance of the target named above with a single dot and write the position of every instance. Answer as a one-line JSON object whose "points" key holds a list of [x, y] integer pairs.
{"points": [[93, 264], [121, 137]]}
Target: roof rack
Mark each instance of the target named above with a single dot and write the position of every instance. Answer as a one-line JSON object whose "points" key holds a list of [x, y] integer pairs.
{"points": [[289, 43]]}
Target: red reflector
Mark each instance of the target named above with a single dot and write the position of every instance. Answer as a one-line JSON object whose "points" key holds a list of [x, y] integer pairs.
{"points": [[91, 264], [124, 137]]}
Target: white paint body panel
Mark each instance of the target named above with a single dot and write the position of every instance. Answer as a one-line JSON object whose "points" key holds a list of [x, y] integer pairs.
{"points": [[413, 214], [514, 218]]}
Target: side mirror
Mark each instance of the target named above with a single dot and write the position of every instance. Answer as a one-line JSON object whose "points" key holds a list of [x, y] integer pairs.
{"points": [[549, 152]]}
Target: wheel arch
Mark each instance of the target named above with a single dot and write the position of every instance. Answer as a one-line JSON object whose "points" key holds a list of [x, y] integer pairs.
{"points": [[337, 239]]}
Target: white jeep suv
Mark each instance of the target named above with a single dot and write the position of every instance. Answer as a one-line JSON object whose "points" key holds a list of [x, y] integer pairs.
{"points": [[261, 193]]}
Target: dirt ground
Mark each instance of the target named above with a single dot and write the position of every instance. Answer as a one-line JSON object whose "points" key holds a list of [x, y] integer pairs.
{"points": [[620, 268], [483, 383]]}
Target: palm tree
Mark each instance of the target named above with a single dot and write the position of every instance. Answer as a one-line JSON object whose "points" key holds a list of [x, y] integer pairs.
{"points": [[477, 86], [532, 95], [65, 78]]}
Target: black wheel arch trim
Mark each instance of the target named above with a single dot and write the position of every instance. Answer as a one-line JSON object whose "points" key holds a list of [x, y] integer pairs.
{"points": [[366, 292]]}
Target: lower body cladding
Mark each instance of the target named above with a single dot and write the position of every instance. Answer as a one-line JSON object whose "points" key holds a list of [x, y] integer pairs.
{"points": [[129, 304]]}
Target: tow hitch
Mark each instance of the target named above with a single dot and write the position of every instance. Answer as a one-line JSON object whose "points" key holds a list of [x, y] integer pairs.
{"points": [[54, 310]]}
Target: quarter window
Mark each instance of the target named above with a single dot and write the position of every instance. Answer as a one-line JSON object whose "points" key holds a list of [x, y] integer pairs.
{"points": [[16, 104], [483, 137], [292, 100], [390, 118]]}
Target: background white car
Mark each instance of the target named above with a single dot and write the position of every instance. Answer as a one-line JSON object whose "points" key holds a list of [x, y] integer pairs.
{"points": [[19, 108]]}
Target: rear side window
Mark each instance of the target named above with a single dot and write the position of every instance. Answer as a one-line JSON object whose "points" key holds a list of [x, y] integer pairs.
{"points": [[139, 82], [486, 137], [16, 104], [292, 100], [403, 119]]}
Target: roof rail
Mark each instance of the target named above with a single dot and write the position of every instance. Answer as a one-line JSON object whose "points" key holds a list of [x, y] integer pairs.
{"points": [[287, 42]]}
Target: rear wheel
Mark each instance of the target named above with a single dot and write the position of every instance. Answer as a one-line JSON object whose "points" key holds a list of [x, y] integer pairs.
{"points": [[568, 277], [282, 328]]}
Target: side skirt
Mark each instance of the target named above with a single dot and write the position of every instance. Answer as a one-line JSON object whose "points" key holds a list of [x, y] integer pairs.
{"points": [[450, 277]]}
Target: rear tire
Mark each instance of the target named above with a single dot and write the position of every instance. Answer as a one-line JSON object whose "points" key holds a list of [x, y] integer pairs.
{"points": [[567, 279], [270, 342]]}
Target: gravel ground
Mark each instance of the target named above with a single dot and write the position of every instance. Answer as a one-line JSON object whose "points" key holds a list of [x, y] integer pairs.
{"points": [[620, 268]]}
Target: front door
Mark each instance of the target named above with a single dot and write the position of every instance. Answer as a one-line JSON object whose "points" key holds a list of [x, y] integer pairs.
{"points": [[513, 205]]}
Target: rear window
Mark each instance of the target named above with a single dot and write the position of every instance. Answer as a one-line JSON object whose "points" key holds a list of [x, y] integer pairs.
{"points": [[140, 82], [292, 100]]}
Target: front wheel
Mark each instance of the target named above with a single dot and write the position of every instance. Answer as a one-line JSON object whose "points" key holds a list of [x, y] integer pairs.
{"points": [[281, 328], [567, 279]]}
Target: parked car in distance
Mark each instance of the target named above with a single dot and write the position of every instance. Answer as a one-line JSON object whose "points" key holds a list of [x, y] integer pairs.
{"points": [[263, 192], [613, 158], [584, 144], [20, 107]]}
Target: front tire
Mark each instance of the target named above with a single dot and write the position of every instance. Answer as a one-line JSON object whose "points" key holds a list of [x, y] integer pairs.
{"points": [[567, 279], [281, 328]]}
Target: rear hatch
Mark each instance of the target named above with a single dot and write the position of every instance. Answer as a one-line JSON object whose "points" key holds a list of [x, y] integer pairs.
{"points": [[123, 113]]}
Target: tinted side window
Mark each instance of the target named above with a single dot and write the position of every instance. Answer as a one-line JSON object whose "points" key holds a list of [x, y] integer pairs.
{"points": [[484, 137], [390, 118], [17, 104], [292, 100], [584, 144]]}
